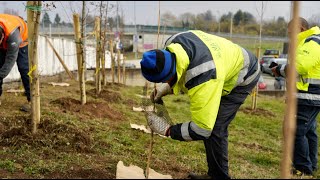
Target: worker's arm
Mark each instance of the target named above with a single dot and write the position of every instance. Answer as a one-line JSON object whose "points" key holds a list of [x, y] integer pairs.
{"points": [[162, 90], [280, 70], [204, 105], [13, 41]]}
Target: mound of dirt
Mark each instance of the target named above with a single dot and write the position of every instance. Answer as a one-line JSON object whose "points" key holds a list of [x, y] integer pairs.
{"points": [[107, 95], [88, 110], [50, 133], [255, 146], [109, 85], [257, 111]]}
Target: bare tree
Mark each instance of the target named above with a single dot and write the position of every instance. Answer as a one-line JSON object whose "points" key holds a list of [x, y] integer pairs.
{"points": [[314, 20], [187, 19], [168, 18], [260, 13]]}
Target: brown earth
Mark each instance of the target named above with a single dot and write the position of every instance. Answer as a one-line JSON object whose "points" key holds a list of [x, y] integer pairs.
{"points": [[59, 137], [62, 137], [88, 110], [257, 112], [107, 95]]}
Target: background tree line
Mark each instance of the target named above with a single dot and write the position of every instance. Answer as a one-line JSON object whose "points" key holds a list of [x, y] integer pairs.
{"points": [[243, 23]]}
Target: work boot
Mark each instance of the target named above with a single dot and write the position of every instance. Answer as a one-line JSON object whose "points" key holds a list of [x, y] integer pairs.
{"points": [[25, 107], [197, 176], [299, 174]]}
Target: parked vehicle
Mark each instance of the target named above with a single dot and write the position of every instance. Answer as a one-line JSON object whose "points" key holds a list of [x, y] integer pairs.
{"points": [[265, 67], [264, 60], [283, 56], [271, 52]]}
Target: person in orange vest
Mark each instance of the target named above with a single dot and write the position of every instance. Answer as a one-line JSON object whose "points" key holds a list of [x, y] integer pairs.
{"points": [[14, 48]]}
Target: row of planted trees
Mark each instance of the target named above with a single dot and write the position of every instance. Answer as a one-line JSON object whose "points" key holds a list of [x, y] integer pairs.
{"points": [[100, 33], [33, 17]]}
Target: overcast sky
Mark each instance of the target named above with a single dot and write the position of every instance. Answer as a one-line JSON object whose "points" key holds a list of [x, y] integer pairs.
{"points": [[147, 11]]}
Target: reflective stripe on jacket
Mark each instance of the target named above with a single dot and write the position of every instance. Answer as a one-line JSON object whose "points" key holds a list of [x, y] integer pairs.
{"points": [[9, 23], [208, 67]]}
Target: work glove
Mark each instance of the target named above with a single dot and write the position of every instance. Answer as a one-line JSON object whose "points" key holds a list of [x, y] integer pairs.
{"points": [[158, 124], [160, 91]]}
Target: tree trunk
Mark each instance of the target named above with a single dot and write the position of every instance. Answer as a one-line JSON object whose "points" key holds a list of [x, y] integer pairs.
{"points": [[80, 61], [112, 60], [98, 55], [33, 19]]}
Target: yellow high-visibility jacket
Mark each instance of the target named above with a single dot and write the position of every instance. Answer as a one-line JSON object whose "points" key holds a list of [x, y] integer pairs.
{"points": [[207, 67], [308, 67]]}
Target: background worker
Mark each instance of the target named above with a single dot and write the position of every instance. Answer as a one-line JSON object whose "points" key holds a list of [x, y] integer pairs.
{"points": [[217, 75], [305, 156], [14, 48]]}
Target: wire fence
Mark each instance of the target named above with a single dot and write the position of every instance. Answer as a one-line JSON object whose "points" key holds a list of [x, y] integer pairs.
{"points": [[142, 29]]}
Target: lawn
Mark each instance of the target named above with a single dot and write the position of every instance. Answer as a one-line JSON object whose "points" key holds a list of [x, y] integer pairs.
{"points": [[88, 141], [249, 44]]}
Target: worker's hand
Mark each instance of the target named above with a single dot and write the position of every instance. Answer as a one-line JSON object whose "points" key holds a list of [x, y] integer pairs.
{"points": [[160, 91], [158, 124], [274, 71]]}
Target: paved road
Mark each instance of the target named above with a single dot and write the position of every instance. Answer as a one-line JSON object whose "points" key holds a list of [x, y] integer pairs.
{"points": [[269, 80]]}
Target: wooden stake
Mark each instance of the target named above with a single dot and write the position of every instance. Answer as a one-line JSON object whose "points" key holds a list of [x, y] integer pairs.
{"points": [[60, 59], [83, 43], [255, 89], [33, 19], [123, 71], [98, 55], [119, 63], [80, 55], [154, 105], [104, 46], [112, 60], [289, 124], [103, 59]]}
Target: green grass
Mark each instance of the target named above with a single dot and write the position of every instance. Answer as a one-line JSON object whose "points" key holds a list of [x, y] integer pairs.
{"points": [[250, 44], [253, 45], [254, 140]]}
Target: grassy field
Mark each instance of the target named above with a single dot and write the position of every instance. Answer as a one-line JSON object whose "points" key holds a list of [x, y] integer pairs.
{"points": [[250, 44], [88, 141]]}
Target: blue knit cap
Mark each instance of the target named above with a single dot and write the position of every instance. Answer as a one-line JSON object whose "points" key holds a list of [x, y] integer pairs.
{"points": [[158, 65]]}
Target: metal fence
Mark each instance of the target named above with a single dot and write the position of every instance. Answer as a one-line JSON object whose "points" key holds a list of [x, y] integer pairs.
{"points": [[130, 29]]}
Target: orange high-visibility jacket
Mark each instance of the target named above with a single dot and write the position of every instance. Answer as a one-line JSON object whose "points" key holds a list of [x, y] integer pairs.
{"points": [[9, 23]]}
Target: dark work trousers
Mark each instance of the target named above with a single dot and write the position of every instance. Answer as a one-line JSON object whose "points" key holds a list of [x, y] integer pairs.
{"points": [[305, 156], [217, 144], [23, 67]]}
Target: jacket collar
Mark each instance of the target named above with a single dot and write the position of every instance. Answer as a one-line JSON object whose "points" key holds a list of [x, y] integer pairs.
{"points": [[305, 34]]}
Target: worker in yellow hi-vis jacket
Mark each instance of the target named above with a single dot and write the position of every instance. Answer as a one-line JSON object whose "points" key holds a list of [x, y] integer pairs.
{"points": [[305, 156], [217, 75]]}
